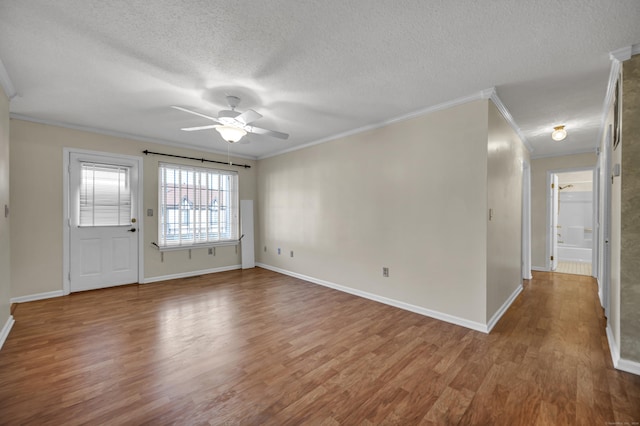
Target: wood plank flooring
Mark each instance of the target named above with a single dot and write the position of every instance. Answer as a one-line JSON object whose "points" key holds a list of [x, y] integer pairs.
{"points": [[255, 347]]}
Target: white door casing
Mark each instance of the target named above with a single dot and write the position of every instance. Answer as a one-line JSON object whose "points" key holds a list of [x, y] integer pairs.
{"points": [[105, 255], [554, 222], [526, 221], [606, 222]]}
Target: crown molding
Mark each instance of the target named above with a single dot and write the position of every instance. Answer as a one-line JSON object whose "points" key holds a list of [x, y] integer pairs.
{"points": [[622, 54], [126, 135], [614, 74], [5, 82], [625, 53], [484, 94], [493, 95]]}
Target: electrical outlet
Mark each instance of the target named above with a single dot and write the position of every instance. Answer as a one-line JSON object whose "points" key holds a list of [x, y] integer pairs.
{"points": [[385, 272], [210, 250], [278, 251], [291, 253]]}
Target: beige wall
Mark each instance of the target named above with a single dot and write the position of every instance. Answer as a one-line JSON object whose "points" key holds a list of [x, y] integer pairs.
{"points": [[411, 196], [539, 194], [5, 265], [37, 213], [506, 155], [630, 211]]}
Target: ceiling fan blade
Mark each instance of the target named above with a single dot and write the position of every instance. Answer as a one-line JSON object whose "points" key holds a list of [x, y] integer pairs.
{"points": [[248, 116], [191, 129], [259, 131], [195, 113]]}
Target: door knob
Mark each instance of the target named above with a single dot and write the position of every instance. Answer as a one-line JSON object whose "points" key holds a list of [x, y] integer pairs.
{"points": [[132, 230]]}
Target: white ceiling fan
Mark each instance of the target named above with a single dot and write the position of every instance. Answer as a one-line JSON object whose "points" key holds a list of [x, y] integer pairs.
{"points": [[231, 124]]}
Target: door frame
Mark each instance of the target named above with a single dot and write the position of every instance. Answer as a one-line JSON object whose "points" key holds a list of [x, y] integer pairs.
{"points": [[66, 229], [550, 173], [605, 244], [526, 220]]}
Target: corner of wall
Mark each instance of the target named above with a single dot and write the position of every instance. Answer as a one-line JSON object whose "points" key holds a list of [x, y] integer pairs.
{"points": [[5, 249]]}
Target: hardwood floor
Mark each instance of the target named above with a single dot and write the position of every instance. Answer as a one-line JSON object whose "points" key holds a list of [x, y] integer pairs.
{"points": [[255, 347]]}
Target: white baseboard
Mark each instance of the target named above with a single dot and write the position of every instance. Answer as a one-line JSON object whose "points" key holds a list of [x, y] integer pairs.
{"points": [[622, 364], [4, 333], [613, 346], [381, 299], [539, 269], [190, 274], [600, 295], [500, 312], [59, 293], [38, 296], [629, 366]]}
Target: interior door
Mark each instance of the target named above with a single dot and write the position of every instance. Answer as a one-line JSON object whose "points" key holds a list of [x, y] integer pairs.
{"points": [[103, 231], [554, 221]]}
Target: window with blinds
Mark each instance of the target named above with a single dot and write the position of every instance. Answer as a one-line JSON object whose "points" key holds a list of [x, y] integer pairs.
{"points": [[197, 206], [105, 195]]}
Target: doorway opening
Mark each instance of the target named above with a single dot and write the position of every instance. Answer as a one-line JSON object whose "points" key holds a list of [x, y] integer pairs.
{"points": [[572, 230]]}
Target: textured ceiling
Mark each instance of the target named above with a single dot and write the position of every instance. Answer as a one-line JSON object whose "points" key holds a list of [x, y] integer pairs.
{"points": [[313, 69]]}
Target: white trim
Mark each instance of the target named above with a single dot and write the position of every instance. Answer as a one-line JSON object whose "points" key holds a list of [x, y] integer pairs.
{"points": [[117, 134], [526, 220], [539, 269], [197, 246], [66, 283], [622, 364], [613, 346], [484, 94], [37, 296], [614, 74], [381, 299], [500, 312], [632, 367], [507, 116], [7, 85], [600, 294], [4, 333], [189, 274], [66, 153], [622, 54]]}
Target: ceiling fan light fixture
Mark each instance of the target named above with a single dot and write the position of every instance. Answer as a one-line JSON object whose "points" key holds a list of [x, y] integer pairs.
{"points": [[559, 133], [231, 134]]}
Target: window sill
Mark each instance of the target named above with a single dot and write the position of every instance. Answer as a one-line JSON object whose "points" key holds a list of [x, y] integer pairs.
{"points": [[197, 246]]}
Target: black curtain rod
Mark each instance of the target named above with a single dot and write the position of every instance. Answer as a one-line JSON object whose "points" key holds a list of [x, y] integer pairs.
{"points": [[203, 160]]}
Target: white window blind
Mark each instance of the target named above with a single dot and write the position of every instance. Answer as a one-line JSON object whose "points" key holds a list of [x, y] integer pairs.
{"points": [[197, 206], [105, 195]]}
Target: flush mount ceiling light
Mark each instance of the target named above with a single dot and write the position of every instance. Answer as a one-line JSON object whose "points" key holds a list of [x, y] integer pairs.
{"points": [[559, 133], [231, 134]]}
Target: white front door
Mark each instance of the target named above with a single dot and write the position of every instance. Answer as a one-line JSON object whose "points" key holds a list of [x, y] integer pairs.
{"points": [[103, 231]]}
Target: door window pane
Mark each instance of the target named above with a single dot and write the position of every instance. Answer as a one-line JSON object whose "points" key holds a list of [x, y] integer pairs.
{"points": [[105, 195]]}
